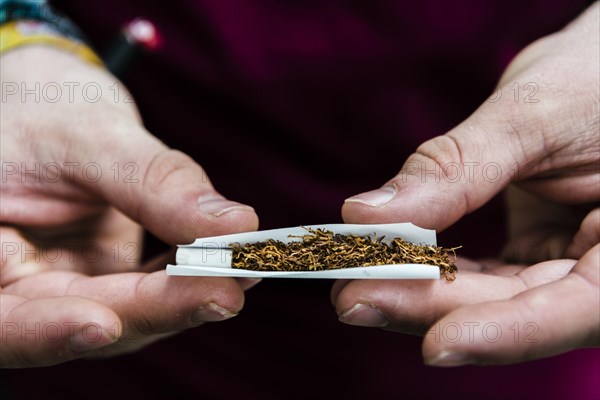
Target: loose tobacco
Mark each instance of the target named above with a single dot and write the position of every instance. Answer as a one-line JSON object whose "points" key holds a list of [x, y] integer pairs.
{"points": [[323, 250]]}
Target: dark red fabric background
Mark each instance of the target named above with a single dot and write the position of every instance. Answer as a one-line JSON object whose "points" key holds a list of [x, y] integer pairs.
{"points": [[292, 106]]}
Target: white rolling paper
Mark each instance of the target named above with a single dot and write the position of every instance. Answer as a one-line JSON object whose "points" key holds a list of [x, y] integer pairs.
{"points": [[212, 256]]}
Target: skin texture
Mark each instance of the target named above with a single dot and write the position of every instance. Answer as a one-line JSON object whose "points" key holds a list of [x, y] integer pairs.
{"points": [[113, 304], [99, 302], [548, 153]]}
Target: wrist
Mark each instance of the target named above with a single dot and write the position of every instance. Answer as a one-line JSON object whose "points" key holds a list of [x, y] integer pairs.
{"points": [[34, 22], [16, 34]]}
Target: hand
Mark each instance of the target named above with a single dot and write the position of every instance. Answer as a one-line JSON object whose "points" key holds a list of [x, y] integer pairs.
{"points": [[80, 177], [551, 149]]}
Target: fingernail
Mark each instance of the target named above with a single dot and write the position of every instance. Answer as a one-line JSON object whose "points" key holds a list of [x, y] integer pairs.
{"points": [[211, 312], [364, 315], [447, 358], [375, 197], [91, 337], [217, 206]]}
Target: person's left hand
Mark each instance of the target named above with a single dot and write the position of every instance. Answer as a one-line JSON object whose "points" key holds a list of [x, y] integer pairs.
{"points": [[497, 313], [71, 280]]}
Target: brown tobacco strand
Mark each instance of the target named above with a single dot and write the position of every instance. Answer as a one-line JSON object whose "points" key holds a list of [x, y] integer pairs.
{"points": [[322, 250]]}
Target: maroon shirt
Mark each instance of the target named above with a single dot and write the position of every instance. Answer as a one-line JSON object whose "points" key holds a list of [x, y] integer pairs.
{"points": [[292, 106]]}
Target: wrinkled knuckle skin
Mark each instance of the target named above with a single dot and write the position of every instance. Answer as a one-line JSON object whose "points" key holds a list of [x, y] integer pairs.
{"points": [[162, 166], [441, 151]]}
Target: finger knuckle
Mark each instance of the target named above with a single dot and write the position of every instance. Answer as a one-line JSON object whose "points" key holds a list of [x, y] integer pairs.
{"points": [[163, 167]]}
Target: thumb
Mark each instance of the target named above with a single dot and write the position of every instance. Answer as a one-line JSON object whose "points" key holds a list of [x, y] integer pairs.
{"points": [[553, 138], [163, 189], [450, 175]]}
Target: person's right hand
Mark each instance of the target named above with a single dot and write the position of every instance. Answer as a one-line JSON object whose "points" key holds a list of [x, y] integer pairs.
{"points": [[548, 152], [80, 178]]}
